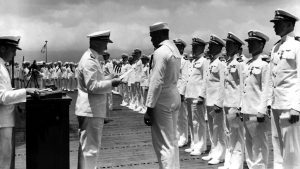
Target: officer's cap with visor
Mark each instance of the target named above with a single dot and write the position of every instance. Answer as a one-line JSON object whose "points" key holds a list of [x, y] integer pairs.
{"points": [[216, 40], [145, 57], [198, 41], [233, 38], [178, 41], [257, 35], [100, 35], [281, 15], [124, 55], [12, 41]]}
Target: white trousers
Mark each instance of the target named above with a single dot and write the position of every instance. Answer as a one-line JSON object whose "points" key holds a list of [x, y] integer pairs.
{"points": [[110, 101], [286, 142], [182, 123], [216, 133], [256, 143], [6, 147], [197, 124], [234, 157], [90, 130], [164, 138]]}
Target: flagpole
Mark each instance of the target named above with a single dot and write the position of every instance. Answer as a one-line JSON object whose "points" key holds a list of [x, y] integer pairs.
{"points": [[46, 50]]}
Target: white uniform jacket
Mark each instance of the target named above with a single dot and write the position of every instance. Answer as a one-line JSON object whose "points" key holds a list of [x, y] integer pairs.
{"points": [[183, 76], [109, 67], [92, 87], [8, 97], [213, 86], [164, 76], [253, 85], [138, 71], [284, 77], [195, 84], [232, 84], [145, 76]]}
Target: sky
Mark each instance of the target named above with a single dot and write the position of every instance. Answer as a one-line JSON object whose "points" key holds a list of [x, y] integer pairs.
{"points": [[65, 23]]}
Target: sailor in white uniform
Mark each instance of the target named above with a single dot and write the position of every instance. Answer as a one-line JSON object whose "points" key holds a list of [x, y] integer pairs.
{"points": [[163, 100]]}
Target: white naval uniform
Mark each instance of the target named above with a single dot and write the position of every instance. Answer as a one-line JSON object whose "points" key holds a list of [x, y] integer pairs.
{"points": [[91, 105], [182, 124], [164, 97], [138, 90], [145, 84], [231, 82], [196, 112], [285, 95], [108, 68], [8, 97], [213, 89], [125, 87], [256, 143]]}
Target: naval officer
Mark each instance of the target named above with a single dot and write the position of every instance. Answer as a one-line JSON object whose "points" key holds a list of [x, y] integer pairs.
{"points": [[182, 124], [163, 100], [194, 98], [256, 122], [285, 85], [8, 97], [212, 89], [93, 87], [231, 82]]}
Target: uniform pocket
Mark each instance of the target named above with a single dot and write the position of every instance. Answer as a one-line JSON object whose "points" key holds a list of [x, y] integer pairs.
{"points": [[288, 54], [256, 71], [214, 69]]}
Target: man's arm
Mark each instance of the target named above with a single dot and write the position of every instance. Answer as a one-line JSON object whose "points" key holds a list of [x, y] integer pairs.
{"points": [[90, 75], [156, 79]]}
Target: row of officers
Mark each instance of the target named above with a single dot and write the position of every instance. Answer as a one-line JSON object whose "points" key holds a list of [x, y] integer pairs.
{"points": [[242, 100]]}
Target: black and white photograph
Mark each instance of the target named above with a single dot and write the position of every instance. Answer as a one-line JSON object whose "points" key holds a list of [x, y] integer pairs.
{"points": [[149, 84]]}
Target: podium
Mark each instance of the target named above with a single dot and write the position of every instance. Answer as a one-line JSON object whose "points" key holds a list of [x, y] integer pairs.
{"points": [[47, 133]]}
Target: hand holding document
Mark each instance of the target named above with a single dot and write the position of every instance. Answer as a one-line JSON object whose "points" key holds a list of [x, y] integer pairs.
{"points": [[127, 72]]}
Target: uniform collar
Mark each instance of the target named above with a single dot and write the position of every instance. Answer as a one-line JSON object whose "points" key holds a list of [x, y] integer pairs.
{"points": [[94, 53], [199, 56], [234, 57], [254, 58], [215, 57], [2, 61], [288, 36]]}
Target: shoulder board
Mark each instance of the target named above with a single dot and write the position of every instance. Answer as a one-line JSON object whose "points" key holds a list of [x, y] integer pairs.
{"points": [[297, 38], [239, 59], [92, 56], [277, 42]]}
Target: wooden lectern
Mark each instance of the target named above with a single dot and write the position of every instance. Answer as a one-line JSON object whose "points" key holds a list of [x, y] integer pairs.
{"points": [[47, 133]]}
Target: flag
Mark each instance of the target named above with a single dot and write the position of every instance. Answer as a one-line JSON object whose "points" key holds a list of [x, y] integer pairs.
{"points": [[43, 50]]}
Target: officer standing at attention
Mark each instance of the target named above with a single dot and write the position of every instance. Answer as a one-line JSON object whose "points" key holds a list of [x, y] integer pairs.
{"points": [[163, 100], [285, 87], [194, 97], [256, 122], [182, 124], [212, 90], [92, 98], [8, 97], [234, 157]]}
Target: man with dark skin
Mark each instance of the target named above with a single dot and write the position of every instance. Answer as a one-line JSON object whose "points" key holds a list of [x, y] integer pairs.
{"points": [[163, 100]]}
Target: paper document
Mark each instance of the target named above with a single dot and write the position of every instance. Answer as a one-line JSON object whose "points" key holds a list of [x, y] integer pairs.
{"points": [[127, 72]]}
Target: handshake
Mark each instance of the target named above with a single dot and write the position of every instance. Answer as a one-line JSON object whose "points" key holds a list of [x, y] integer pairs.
{"points": [[115, 80]]}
